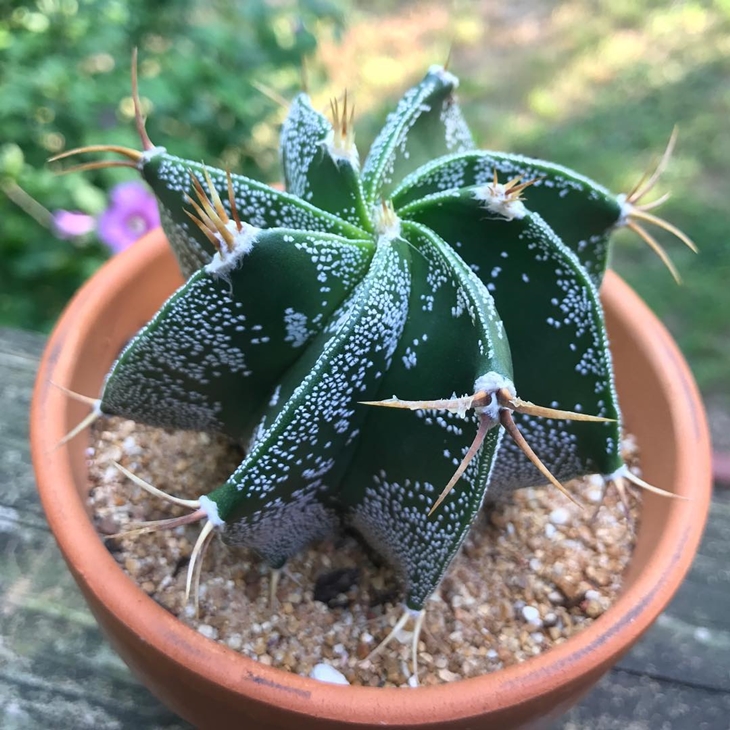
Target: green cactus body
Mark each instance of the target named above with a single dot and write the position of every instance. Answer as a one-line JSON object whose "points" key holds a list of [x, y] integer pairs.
{"points": [[403, 459], [427, 123], [580, 211], [223, 341], [320, 161], [285, 492], [418, 281], [543, 295], [356, 301], [258, 204]]}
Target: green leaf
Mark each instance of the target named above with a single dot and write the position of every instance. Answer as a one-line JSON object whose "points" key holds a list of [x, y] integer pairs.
{"points": [[427, 123], [580, 211], [321, 165], [554, 321], [257, 204], [281, 496], [404, 459], [212, 355]]}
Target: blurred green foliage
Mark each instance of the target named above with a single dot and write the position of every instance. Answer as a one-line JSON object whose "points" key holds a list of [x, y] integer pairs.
{"points": [[64, 80]]}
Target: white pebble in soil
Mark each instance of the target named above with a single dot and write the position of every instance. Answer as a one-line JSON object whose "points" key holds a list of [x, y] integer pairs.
{"points": [[327, 673], [531, 615], [210, 632], [596, 489], [559, 516]]}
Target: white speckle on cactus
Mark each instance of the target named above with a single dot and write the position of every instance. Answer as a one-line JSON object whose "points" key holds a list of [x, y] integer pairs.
{"points": [[296, 327], [428, 300], [410, 360], [275, 396]]}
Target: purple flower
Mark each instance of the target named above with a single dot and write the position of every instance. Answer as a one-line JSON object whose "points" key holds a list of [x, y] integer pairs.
{"points": [[71, 224], [131, 213]]}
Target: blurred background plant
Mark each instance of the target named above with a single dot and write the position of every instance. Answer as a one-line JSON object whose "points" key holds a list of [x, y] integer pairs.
{"points": [[64, 76], [593, 84]]}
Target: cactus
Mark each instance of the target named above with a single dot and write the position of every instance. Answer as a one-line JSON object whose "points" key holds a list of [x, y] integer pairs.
{"points": [[372, 334]]}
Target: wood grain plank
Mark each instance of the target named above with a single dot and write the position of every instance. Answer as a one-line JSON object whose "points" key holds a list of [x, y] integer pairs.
{"points": [[56, 670], [19, 356], [627, 701]]}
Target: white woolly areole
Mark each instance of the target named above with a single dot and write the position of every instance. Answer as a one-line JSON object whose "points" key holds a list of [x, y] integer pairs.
{"points": [[211, 511], [626, 210], [341, 152], [621, 472], [224, 260], [446, 76], [147, 155], [498, 200], [386, 222], [491, 382]]}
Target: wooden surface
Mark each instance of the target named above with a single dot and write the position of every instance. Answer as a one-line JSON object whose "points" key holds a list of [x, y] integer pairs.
{"points": [[56, 671]]}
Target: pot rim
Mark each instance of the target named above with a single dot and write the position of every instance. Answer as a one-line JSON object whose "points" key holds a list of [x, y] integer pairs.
{"points": [[601, 643]]}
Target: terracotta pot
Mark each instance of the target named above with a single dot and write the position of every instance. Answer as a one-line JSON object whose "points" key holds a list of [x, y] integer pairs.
{"points": [[213, 686]]}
